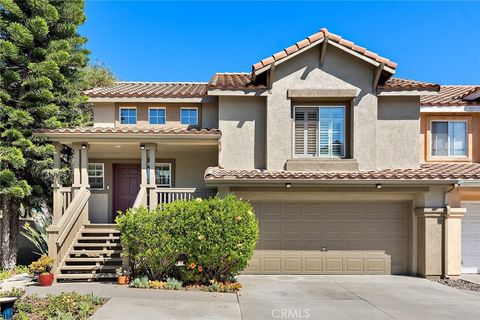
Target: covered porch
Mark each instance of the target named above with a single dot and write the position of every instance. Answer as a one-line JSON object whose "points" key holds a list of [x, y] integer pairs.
{"points": [[115, 171]]}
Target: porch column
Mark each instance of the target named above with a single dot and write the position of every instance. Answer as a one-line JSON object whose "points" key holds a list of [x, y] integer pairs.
{"points": [[143, 180], [152, 150], [57, 196], [76, 167], [84, 165]]}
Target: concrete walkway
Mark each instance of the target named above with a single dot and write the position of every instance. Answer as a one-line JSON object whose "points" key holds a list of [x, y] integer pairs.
{"points": [[132, 304], [288, 297], [472, 277]]}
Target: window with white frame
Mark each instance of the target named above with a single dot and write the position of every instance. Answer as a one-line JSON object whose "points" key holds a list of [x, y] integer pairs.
{"points": [[157, 115], [449, 138], [128, 115], [96, 175], [319, 131], [189, 116], [163, 174]]}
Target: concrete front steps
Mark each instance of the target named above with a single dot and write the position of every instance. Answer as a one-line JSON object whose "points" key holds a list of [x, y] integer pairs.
{"points": [[95, 254]]}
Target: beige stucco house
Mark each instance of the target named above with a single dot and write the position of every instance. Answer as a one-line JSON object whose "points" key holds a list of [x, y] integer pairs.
{"points": [[321, 137]]}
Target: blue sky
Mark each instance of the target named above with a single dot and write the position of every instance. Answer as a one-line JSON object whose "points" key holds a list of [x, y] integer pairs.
{"points": [[189, 41]]}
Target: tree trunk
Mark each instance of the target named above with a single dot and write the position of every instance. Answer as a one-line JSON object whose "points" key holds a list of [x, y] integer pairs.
{"points": [[9, 233]]}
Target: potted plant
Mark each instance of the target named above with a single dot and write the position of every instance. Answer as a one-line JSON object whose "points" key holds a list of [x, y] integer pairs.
{"points": [[42, 268], [123, 276]]}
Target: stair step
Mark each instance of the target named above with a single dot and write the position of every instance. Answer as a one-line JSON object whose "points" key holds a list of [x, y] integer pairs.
{"points": [[101, 226], [88, 268], [98, 238], [94, 245], [93, 252], [85, 276], [101, 232], [92, 259]]}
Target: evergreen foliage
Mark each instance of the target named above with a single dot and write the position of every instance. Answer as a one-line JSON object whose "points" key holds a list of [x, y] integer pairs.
{"points": [[42, 61]]}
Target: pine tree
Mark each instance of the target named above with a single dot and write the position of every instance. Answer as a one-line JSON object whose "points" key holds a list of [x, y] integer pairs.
{"points": [[42, 58]]}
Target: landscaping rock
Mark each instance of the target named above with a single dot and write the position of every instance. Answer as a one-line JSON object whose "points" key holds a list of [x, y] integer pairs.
{"points": [[460, 284]]}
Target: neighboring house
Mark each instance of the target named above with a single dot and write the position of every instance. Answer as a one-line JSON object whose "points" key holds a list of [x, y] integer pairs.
{"points": [[320, 137], [450, 129]]}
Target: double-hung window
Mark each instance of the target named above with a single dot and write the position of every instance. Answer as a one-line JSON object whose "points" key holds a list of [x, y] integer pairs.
{"points": [[128, 115], [157, 115], [189, 116], [449, 138], [96, 175], [320, 131]]}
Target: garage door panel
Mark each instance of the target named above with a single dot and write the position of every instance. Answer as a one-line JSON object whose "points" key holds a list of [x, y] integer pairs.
{"points": [[471, 238], [355, 237]]}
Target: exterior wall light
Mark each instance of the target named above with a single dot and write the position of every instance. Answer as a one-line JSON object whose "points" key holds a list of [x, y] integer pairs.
{"points": [[142, 147], [378, 186], [288, 185]]}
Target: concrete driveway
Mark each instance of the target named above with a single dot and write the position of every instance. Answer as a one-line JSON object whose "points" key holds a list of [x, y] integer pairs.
{"points": [[287, 297], [353, 297]]}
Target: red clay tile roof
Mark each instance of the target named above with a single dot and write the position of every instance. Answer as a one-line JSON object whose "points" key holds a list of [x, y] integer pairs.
{"points": [[406, 84], [237, 80], [434, 171], [150, 90], [314, 39], [130, 130], [450, 95]]}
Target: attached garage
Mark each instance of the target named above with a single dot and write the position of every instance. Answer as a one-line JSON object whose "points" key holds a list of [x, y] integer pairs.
{"points": [[471, 238], [331, 238]]}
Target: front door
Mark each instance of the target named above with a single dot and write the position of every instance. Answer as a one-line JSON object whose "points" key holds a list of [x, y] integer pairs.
{"points": [[126, 186]]}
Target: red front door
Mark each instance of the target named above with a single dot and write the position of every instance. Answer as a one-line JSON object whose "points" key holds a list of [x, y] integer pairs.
{"points": [[125, 187]]}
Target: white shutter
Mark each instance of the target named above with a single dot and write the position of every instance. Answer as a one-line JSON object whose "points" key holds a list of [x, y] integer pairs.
{"points": [[306, 124]]}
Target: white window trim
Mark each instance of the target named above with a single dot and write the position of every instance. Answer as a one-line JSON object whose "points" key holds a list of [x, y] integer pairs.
{"points": [[187, 108], [120, 116], [157, 108], [171, 176], [103, 175], [318, 156], [466, 156]]}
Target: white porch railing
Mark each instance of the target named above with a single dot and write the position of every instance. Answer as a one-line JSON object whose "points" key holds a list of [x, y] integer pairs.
{"points": [[66, 195], [159, 196]]}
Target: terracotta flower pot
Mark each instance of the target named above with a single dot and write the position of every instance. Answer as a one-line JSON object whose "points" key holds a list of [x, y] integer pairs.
{"points": [[122, 280], [45, 280]]}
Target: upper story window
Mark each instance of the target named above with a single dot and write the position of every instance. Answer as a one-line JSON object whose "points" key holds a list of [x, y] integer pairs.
{"points": [[96, 175], [320, 131], [128, 115], [157, 115], [189, 116], [449, 138]]}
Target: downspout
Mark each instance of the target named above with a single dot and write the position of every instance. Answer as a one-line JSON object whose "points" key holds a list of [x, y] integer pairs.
{"points": [[445, 229]]}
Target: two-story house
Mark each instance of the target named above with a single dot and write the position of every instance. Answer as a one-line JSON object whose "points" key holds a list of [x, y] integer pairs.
{"points": [[320, 137], [450, 132]]}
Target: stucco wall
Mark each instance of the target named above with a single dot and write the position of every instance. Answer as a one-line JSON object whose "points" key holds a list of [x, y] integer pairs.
{"points": [[242, 122], [106, 114], [188, 170], [398, 128], [340, 71]]}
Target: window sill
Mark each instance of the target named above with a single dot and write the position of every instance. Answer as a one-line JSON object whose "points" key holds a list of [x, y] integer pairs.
{"points": [[322, 164], [449, 159]]}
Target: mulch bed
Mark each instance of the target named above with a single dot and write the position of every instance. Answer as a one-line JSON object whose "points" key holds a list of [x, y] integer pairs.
{"points": [[460, 284]]}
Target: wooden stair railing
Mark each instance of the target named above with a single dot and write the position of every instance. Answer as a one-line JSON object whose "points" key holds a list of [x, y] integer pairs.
{"points": [[63, 234]]}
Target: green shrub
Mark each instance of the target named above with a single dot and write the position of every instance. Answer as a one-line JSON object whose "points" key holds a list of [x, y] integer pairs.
{"points": [[215, 238], [172, 284], [140, 283], [218, 236], [151, 247]]}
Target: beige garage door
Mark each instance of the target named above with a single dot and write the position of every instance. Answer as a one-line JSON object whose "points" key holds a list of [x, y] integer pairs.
{"points": [[331, 238]]}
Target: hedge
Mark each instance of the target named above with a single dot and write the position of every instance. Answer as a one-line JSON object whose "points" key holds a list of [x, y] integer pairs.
{"points": [[214, 238]]}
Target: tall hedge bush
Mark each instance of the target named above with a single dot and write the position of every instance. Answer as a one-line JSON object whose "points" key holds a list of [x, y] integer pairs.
{"points": [[215, 238]]}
